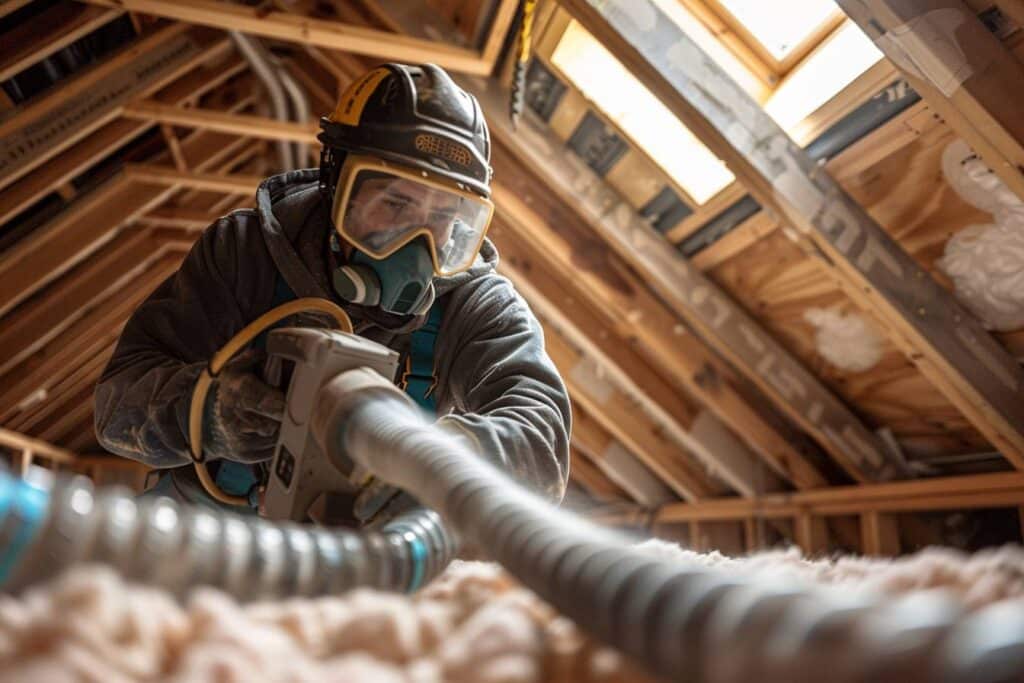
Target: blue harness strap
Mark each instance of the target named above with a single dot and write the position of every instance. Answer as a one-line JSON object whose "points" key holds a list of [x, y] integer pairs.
{"points": [[419, 380], [238, 478]]}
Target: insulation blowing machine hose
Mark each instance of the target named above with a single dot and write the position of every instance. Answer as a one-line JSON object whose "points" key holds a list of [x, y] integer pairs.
{"points": [[683, 622]]}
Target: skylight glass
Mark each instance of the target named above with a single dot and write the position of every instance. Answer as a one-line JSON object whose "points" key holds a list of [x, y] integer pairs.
{"points": [[780, 26], [841, 59], [625, 100]]}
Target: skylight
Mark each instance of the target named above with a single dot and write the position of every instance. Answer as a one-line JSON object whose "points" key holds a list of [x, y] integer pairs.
{"points": [[841, 59], [625, 100], [780, 26]]}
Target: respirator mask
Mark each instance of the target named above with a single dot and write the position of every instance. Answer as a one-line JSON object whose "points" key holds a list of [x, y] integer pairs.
{"points": [[405, 227]]}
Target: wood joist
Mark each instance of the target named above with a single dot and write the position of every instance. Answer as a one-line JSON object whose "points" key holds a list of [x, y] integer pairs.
{"points": [[76, 159], [88, 222], [595, 445], [329, 34], [593, 360], [949, 346], [595, 482]]}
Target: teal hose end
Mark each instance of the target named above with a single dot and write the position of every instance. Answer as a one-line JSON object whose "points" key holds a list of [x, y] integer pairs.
{"points": [[23, 507], [419, 560]]}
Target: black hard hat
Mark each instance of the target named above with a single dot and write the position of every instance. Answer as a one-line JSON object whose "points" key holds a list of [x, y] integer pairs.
{"points": [[411, 115]]}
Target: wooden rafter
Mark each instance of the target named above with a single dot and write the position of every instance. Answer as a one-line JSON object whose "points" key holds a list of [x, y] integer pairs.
{"points": [[616, 410], [44, 127], [735, 465], [942, 493], [35, 447], [960, 68], [593, 480], [152, 174], [947, 344], [616, 462], [68, 22], [79, 157], [222, 122], [320, 32], [89, 221], [44, 317], [63, 393], [92, 334], [551, 246]]}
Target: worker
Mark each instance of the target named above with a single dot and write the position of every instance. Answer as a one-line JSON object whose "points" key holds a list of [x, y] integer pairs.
{"points": [[392, 228]]}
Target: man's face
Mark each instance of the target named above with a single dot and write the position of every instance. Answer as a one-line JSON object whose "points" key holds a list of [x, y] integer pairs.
{"points": [[385, 205]]}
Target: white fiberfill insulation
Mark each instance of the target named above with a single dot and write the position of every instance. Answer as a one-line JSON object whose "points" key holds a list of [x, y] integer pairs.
{"points": [[847, 341], [472, 624], [986, 262]]}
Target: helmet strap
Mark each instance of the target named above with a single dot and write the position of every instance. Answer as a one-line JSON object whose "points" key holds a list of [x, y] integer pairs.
{"points": [[331, 161]]}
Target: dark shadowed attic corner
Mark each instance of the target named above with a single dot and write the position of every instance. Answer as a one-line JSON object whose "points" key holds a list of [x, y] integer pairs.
{"points": [[512, 341]]}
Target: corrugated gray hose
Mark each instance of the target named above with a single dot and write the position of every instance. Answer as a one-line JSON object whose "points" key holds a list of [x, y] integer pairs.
{"points": [[685, 623], [178, 547]]}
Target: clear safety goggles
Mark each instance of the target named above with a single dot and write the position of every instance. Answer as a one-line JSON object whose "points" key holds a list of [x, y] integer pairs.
{"points": [[379, 208]]}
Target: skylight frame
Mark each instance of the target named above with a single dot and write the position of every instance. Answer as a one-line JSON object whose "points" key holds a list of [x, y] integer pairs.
{"points": [[779, 67]]}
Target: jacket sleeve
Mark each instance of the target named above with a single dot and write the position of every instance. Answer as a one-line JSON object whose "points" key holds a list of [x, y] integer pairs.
{"points": [[143, 396], [498, 386]]}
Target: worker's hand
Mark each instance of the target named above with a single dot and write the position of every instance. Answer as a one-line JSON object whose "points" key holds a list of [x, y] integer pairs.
{"points": [[243, 413]]}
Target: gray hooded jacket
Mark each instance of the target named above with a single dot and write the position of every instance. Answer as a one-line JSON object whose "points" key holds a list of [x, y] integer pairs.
{"points": [[495, 381]]}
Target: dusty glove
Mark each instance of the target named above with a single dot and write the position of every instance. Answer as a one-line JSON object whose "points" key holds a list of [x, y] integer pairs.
{"points": [[242, 413]]}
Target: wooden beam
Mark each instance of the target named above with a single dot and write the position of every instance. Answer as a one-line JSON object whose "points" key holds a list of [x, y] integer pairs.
{"points": [[45, 126], [593, 480], [735, 241], [76, 159], [92, 334], [731, 460], [948, 345], [728, 196], [500, 26], [39, 320], [24, 274], [10, 6], [65, 22], [38, 447], [62, 392], [57, 424], [615, 409], [960, 68], [577, 264], [1004, 489], [309, 31], [692, 296], [880, 535], [616, 462], [178, 217], [91, 221], [221, 122], [811, 534], [152, 174]]}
